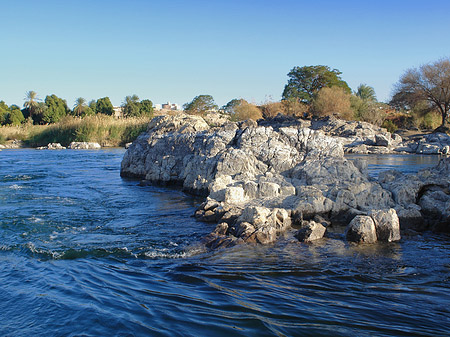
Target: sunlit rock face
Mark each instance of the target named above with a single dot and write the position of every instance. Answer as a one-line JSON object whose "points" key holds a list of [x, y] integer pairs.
{"points": [[259, 179]]}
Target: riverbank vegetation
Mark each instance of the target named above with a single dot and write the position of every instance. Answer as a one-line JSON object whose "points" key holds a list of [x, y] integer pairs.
{"points": [[421, 100], [105, 130]]}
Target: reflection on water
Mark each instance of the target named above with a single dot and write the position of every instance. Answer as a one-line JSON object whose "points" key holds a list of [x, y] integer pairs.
{"points": [[84, 252], [406, 163]]}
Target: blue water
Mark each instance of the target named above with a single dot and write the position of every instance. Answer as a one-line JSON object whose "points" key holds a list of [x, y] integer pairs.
{"points": [[86, 253], [405, 163]]}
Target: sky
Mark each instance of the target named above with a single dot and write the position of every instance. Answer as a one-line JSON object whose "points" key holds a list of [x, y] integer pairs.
{"points": [[174, 50]]}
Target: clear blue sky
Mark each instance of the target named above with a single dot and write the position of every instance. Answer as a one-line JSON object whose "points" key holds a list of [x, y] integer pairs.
{"points": [[175, 50]]}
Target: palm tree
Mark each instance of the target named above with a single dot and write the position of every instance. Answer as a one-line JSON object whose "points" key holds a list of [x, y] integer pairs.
{"points": [[366, 92], [80, 106], [31, 102]]}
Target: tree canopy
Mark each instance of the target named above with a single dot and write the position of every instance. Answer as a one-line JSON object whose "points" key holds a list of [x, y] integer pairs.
{"points": [[80, 106], [56, 109], [430, 84], [305, 82], [31, 102], [104, 106], [366, 92], [200, 105]]}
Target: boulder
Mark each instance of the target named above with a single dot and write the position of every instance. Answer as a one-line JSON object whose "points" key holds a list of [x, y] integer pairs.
{"points": [[361, 230], [84, 146], [310, 232], [387, 225]]}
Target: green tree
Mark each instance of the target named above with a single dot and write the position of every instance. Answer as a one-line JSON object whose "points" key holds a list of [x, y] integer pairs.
{"points": [[429, 84], [80, 106], [229, 108], [305, 82], [15, 116], [93, 105], [104, 106], [200, 105], [4, 111], [31, 102], [131, 106], [56, 109], [366, 92], [146, 108]]}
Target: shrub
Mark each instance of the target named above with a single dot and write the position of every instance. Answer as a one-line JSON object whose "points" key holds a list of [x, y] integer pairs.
{"points": [[246, 111], [332, 101], [390, 126]]}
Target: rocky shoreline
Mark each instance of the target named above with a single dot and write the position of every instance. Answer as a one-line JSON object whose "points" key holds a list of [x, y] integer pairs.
{"points": [[261, 180]]}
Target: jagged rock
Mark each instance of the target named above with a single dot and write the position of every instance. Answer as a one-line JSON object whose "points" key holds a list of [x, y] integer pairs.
{"points": [[381, 140], [361, 230], [310, 232], [261, 177], [387, 225]]}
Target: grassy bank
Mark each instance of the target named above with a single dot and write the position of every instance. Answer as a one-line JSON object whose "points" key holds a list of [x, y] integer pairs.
{"points": [[105, 130]]}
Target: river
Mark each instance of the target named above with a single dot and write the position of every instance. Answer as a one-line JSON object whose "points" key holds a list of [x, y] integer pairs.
{"points": [[84, 252]]}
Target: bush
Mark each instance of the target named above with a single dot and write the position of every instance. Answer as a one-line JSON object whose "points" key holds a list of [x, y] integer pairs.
{"points": [[332, 101], [246, 111], [390, 126], [367, 110]]}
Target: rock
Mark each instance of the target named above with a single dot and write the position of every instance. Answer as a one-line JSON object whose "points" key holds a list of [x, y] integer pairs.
{"points": [[259, 178], [84, 146], [387, 225], [310, 232], [361, 230], [381, 140]]}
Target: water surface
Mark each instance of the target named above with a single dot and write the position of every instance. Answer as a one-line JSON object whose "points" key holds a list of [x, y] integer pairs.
{"points": [[84, 252]]}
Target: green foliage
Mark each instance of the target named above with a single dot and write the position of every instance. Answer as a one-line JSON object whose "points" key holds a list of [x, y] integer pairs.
{"points": [[390, 126], [93, 105], [229, 108], [305, 82], [31, 102], [131, 106], [2, 139], [87, 111], [200, 105], [56, 109], [80, 106], [105, 130], [146, 109], [15, 117], [104, 106], [4, 111], [366, 93]]}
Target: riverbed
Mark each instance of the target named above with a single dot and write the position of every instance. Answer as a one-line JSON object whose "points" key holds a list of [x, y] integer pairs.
{"points": [[85, 252]]}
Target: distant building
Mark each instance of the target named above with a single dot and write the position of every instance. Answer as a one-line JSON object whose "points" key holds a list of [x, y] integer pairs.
{"points": [[118, 111], [167, 106]]}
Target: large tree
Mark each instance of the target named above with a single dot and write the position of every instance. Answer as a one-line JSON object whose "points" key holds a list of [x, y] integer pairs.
{"points": [[305, 82], [56, 109], [430, 84], [131, 106], [146, 108], [104, 106], [200, 105]]}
